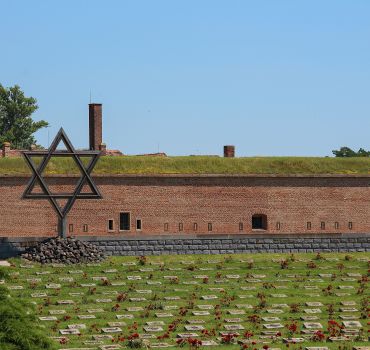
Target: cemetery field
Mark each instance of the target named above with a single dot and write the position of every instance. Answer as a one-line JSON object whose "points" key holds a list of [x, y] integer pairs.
{"points": [[245, 301]]}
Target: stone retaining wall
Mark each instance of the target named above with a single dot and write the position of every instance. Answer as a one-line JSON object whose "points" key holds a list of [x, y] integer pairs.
{"points": [[209, 244]]}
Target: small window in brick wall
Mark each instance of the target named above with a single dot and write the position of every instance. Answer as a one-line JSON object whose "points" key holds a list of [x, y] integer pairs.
{"points": [[336, 225], [166, 226], [278, 226], [110, 225], [138, 224], [350, 225], [241, 226], [70, 228], [209, 226], [308, 225], [259, 222], [195, 226], [85, 228], [181, 226], [322, 225]]}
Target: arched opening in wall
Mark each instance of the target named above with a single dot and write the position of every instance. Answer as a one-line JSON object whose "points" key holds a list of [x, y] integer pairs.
{"points": [[259, 222]]}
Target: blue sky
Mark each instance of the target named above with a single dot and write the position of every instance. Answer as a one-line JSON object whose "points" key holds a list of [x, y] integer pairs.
{"points": [[272, 77]]}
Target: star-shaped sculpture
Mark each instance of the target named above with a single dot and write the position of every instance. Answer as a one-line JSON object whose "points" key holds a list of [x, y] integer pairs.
{"points": [[85, 178]]}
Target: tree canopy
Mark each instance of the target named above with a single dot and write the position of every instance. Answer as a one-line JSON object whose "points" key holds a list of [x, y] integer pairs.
{"points": [[19, 329], [16, 123], [347, 152]]}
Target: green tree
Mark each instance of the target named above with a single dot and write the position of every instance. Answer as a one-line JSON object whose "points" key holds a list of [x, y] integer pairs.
{"points": [[16, 124], [19, 328], [347, 152]]}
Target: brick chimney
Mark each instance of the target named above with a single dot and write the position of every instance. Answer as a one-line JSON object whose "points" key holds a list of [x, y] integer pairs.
{"points": [[95, 126], [6, 149], [229, 151]]}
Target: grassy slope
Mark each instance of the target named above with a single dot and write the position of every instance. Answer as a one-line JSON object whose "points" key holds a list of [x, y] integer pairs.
{"points": [[265, 264], [201, 165]]}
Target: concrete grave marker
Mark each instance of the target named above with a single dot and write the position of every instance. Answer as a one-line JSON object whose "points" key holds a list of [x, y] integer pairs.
{"points": [[273, 325], [101, 337], [348, 317], [77, 326], [155, 323], [39, 295], [134, 309], [194, 328], [192, 321], [160, 345], [112, 330], [352, 324], [244, 306], [110, 347], [163, 314], [205, 307], [86, 317], [293, 340], [270, 319], [279, 296], [65, 302], [127, 317], [137, 299], [313, 303], [187, 335], [312, 311], [233, 320], [69, 332], [209, 343], [153, 329], [348, 309], [309, 318], [48, 318], [170, 307], [95, 311], [57, 312], [236, 312], [274, 311], [312, 325], [340, 339], [116, 324], [233, 327], [200, 313]]}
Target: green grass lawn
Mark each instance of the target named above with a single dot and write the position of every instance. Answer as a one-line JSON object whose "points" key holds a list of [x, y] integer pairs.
{"points": [[201, 165], [244, 287]]}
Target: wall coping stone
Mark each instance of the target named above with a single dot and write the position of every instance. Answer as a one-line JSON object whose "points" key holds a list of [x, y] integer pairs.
{"points": [[202, 237], [367, 176]]}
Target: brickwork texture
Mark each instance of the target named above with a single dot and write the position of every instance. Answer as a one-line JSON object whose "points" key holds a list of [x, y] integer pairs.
{"points": [[186, 205]]}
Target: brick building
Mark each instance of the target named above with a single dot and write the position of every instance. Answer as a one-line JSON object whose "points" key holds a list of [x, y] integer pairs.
{"points": [[139, 205], [176, 204]]}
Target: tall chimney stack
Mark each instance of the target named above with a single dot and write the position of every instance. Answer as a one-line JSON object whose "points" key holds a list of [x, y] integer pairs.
{"points": [[95, 126], [229, 151]]}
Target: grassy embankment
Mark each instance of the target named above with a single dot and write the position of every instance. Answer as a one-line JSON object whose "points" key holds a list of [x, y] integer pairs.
{"points": [[200, 165]]}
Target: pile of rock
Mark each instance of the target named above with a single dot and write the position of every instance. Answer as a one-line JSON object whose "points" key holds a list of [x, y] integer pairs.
{"points": [[64, 251]]}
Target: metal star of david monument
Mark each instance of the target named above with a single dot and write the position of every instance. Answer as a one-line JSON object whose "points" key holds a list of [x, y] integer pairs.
{"points": [[38, 178]]}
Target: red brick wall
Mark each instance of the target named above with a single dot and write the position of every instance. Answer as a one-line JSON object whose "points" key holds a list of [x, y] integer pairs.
{"points": [[223, 201]]}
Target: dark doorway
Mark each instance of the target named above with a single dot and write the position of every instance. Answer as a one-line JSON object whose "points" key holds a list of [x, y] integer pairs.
{"points": [[259, 222], [124, 221]]}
